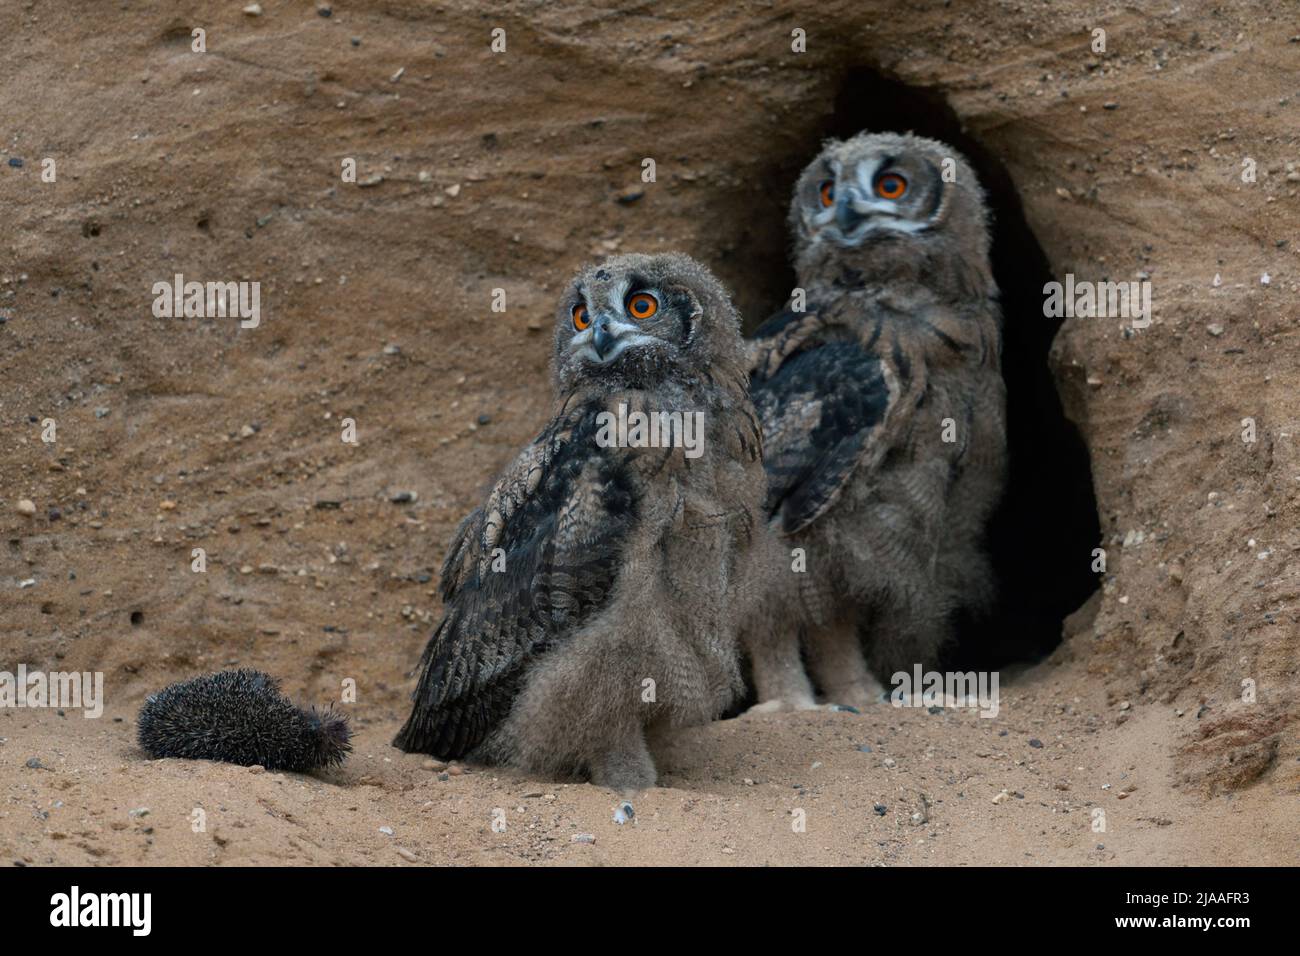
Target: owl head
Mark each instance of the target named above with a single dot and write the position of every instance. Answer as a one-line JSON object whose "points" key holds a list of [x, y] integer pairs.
{"points": [[886, 199], [636, 321]]}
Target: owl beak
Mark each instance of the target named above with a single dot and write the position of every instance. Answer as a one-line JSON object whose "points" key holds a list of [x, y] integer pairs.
{"points": [[603, 339], [846, 217]]}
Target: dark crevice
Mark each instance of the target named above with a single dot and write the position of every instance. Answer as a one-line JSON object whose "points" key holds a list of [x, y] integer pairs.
{"points": [[1042, 535]]}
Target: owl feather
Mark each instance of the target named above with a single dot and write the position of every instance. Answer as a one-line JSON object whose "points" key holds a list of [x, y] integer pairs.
{"points": [[554, 574]]}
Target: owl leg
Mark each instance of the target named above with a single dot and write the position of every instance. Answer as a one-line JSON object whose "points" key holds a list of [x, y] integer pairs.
{"points": [[625, 764], [837, 663], [779, 677], [906, 636]]}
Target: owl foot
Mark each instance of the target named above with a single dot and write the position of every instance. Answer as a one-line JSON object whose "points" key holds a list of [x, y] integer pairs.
{"points": [[779, 704], [627, 769], [859, 696]]}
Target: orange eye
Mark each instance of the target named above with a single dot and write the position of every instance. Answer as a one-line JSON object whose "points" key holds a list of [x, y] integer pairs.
{"points": [[642, 305], [827, 192], [891, 186], [581, 320]]}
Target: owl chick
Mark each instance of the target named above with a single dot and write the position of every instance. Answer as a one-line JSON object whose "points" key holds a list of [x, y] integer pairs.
{"points": [[883, 412], [593, 598]]}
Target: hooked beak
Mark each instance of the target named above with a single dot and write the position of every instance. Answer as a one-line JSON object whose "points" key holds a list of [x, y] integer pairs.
{"points": [[602, 338], [846, 217]]}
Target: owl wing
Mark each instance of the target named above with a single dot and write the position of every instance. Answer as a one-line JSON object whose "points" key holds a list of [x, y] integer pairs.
{"points": [[536, 560], [826, 404]]}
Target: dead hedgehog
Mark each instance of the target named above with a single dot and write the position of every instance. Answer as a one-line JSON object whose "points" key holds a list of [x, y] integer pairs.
{"points": [[241, 717]]}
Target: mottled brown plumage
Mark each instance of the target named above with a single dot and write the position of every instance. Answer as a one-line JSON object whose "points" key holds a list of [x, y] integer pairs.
{"points": [[595, 595], [883, 411]]}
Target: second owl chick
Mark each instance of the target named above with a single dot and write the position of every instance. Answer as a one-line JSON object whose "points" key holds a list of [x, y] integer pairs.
{"points": [[594, 596], [883, 410]]}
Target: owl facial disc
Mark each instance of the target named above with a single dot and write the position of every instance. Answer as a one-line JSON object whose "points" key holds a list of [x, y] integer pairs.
{"points": [[864, 200]]}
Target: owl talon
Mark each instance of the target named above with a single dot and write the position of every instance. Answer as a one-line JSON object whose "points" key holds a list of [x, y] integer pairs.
{"points": [[768, 707], [779, 705]]}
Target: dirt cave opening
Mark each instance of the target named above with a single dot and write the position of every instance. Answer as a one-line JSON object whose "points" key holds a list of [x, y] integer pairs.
{"points": [[1043, 533]]}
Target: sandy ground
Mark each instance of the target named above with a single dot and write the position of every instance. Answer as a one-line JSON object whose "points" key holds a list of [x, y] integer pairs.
{"points": [[478, 172], [927, 792]]}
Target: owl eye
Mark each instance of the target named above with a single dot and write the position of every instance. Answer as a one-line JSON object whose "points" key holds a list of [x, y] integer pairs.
{"points": [[891, 186], [827, 193], [581, 319], [642, 305]]}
